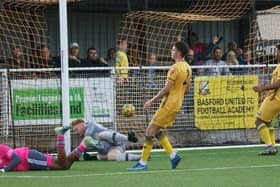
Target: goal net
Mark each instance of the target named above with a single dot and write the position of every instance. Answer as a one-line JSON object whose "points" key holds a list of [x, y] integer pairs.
{"points": [[31, 103], [31, 95], [221, 108]]}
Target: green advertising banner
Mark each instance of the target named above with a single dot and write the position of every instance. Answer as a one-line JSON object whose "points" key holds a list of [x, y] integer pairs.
{"points": [[45, 103]]}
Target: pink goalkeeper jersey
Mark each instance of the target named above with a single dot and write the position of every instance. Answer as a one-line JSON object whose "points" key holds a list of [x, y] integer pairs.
{"points": [[6, 153]]}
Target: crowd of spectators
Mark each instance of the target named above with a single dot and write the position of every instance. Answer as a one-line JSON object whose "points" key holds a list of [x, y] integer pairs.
{"points": [[211, 55], [42, 57]]}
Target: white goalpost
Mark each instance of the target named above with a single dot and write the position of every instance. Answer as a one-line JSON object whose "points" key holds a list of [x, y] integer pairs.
{"points": [[64, 70]]}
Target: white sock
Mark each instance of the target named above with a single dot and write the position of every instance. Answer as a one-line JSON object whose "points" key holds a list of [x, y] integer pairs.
{"points": [[142, 162], [133, 156], [127, 156], [172, 155]]}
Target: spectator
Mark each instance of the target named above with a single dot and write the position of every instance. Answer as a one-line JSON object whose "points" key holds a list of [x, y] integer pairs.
{"points": [[121, 61], [191, 61], [190, 57], [151, 72], [201, 51], [180, 38], [16, 60], [219, 66], [232, 60], [93, 60], [247, 60], [45, 58], [232, 46], [196, 46], [111, 57], [239, 53], [74, 55]]}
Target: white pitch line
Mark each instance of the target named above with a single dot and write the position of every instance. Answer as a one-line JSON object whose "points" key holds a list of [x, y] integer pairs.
{"points": [[207, 148], [198, 148], [145, 172], [203, 154]]}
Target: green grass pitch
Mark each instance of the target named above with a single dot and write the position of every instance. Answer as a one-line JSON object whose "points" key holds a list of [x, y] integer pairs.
{"points": [[205, 168]]}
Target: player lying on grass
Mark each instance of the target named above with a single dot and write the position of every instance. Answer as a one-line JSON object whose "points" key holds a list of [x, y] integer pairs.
{"points": [[24, 158], [110, 144]]}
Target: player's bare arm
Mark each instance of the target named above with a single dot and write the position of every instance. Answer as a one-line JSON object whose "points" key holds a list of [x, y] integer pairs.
{"points": [[188, 87], [272, 86]]}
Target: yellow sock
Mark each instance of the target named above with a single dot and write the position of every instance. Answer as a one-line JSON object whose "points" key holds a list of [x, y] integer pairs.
{"points": [[146, 151], [163, 139], [272, 136], [265, 135]]}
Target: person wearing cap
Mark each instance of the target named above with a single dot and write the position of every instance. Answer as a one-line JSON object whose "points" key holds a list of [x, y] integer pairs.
{"points": [[74, 59]]}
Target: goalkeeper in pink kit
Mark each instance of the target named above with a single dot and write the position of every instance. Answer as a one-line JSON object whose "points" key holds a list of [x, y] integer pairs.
{"points": [[24, 158]]}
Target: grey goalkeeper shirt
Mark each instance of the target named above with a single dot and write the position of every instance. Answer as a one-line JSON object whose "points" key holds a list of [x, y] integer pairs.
{"points": [[93, 128]]}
